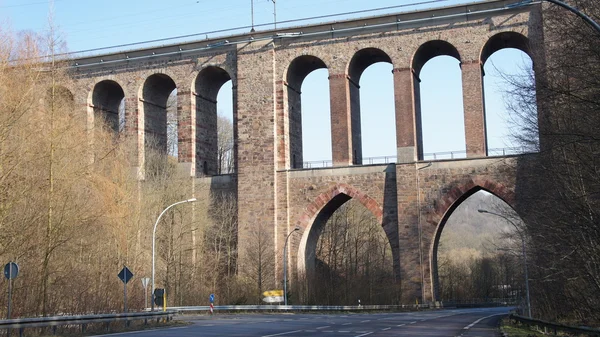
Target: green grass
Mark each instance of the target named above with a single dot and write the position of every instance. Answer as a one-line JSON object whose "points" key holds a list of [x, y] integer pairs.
{"points": [[518, 331]]}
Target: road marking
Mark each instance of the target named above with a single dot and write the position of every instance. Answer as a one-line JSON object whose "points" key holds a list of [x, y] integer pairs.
{"points": [[365, 334], [323, 327], [207, 325], [282, 333], [413, 322], [365, 321], [141, 331], [344, 331], [401, 325], [479, 320], [346, 323], [385, 329]]}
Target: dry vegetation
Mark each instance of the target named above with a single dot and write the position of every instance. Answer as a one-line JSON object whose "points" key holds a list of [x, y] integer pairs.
{"points": [[562, 213]]}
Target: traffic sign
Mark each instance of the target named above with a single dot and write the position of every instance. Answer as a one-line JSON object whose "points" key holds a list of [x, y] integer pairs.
{"points": [[212, 298], [270, 293], [11, 270], [273, 299], [125, 275], [145, 282]]}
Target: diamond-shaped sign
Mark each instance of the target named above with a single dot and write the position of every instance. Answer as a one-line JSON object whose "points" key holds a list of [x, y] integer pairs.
{"points": [[125, 275]]}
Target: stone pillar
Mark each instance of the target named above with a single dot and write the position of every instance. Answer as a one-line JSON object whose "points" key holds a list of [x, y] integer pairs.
{"points": [[405, 115], [256, 151], [186, 133], [341, 120], [474, 109], [134, 130], [408, 233]]}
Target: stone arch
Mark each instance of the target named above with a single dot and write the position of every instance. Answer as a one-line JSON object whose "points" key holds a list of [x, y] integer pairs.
{"points": [[105, 99], [154, 94], [505, 40], [320, 210], [424, 54], [444, 209], [299, 68], [206, 86], [431, 49], [359, 62]]}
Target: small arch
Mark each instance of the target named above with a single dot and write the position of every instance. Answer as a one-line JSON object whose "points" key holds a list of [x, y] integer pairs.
{"points": [[299, 69], [505, 40], [361, 60], [107, 97], [432, 49], [155, 93], [207, 85], [429, 111]]}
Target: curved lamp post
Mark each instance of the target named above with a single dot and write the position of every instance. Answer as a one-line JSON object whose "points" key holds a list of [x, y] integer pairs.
{"points": [[285, 265], [154, 241], [568, 7], [524, 255]]}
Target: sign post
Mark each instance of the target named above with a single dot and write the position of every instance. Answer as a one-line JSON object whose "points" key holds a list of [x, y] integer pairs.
{"points": [[125, 275], [211, 298], [11, 270], [145, 283]]}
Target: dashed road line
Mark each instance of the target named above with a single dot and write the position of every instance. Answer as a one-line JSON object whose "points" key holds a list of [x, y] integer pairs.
{"points": [[385, 329], [323, 327], [365, 334], [282, 333]]}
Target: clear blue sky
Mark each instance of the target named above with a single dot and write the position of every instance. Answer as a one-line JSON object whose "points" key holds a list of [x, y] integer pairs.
{"points": [[87, 24]]}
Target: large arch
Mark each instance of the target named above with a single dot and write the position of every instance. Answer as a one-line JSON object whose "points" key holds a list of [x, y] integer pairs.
{"points": [[107, 97], [443, 210], [317, 213], [360, 61], [424, 54], [297, 72], [206, 88]]}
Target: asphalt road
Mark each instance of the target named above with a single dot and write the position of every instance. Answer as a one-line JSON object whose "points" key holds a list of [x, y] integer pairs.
{"points": [[439, 323]]}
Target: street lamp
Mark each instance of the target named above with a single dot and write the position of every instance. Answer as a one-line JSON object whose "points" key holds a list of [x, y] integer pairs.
{"points": [[524, 255], [154, 242], [285, 265]]}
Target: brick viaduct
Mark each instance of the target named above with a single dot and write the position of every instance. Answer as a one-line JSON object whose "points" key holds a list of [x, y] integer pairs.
{"points": [[411, 198]]}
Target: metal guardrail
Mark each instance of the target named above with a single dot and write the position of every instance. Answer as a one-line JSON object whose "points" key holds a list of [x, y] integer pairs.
{"points": [[83, 320], [299, 307], [460, 154], [555, 327]]}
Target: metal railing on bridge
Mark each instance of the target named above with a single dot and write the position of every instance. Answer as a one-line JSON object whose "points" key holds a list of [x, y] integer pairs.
{"points": [[460, 154]]}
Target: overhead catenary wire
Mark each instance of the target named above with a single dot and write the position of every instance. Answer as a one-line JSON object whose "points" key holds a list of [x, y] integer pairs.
{"points": [[246, 27]]}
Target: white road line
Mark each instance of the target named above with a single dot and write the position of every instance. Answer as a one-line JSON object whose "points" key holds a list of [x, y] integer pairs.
{"points": [[134, 332], [344, 331], [346, 323], [413, 322], [365, 334], [282, 333], [401, 325], [385, 329], [323, 327], [479, 320], [365, 321]]}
